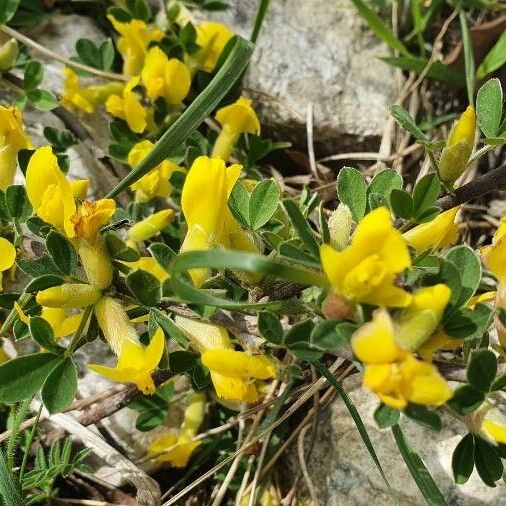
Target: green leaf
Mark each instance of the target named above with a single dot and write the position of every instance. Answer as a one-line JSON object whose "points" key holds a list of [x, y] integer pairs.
{"points": [[7, 10], [119, 250], [466, 399], [263, 203], [424, 416], [144, 287], [379, 28], [383, 183], [60, 387], [499, 383], [495, 58], [448, 274], [425, 193], [420, 473], [8, 489], [402, 203], [357, 419], [468, 323], [270, 327], [259, 19], [352, 191], [42, 99], [24, 376], [233, 68], [481, 369], [62, 252], [487, 461], [407, 122], [59, 139], [302, 227], [463, 459], [34, 73], [468, 56], [17, 203], [470, 267], [386, 416], [170, 329], [239, 205], [42, 332], [489, 107], [331, 334], [182, 361], [43, 282], [41, 266], [163, 254]]}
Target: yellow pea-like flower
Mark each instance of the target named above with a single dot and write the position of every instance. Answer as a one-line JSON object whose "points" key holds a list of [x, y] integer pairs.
{"points": [[135, 361], [133, 43], [62, 323], [76, 96], [458, 149], [156, 182], [49, 191], [151, 226], [204, 203], [235, 119], [69, 295], [12, 139], [365, 271], [391, 372], [127, 106], [7, 257], [212, 37], [438, 233], [164, 77], [149, 264], [493, 424]]}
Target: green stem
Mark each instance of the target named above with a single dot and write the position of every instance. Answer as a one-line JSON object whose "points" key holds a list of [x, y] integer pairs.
{"points": [[79, 332], [13, 315], [16, 423], [28, 446]]}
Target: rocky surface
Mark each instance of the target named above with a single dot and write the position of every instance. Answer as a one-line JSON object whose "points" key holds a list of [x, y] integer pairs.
{"points": [[317, 52], [345, 475]]}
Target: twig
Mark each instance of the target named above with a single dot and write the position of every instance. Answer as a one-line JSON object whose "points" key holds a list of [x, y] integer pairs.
{"points": [[55, 56], [303, 466], [310, 141]]}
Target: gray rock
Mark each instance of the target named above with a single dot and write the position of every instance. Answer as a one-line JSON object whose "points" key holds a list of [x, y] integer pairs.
{"points": [[319, 52], [344, 473]]}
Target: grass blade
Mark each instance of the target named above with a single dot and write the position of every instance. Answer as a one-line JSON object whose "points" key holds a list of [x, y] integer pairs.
{"points": [[259, 20], [468, 57], [417, 468], [201, 107], [358, 422], [8, 489], [379, 28]]}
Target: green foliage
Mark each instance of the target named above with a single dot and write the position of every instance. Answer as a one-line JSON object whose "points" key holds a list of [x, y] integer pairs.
{"points": [[153, 409], [60, 386], [495, 58], [489, 107], [99, 57], [463, 459], [7, 10], [352, 191], [144, 287], [385, 416]]}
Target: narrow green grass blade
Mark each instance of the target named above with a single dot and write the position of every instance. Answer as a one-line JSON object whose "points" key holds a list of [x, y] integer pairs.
{"points": [[358, 422], [379, 28], [259, 20], [468, 57], [417, 468], [8, 489], [495, 58], [197, 112]]}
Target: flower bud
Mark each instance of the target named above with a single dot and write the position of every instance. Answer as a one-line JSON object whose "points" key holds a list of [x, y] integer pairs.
{"points": [[69, 295], [340, 224], [96, 261], [8, 54], [337, 306], [151, 226], [459, 146]]}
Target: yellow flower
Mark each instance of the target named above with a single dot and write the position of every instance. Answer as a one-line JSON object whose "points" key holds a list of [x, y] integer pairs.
{"points": [[176, 447], [133, 43], [235, 119], [165, 78], [418, 321], [493, 425], [212, 37], [150, 265], [62, 323], [7, 257], [135, 361], [128, 107], [12, 139], [394, 374], [494, 256], [68, 295], [156, 182], [232, 372], [439, 341], [438, 233], [204, 204], [49, 191], [365, 271], [76, 96], [458, 149], [151, 226]]}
